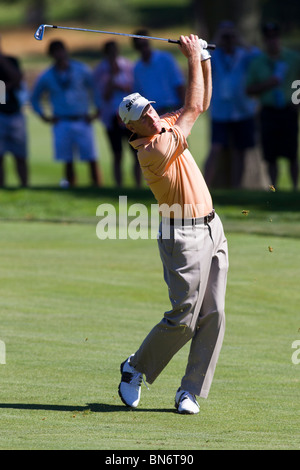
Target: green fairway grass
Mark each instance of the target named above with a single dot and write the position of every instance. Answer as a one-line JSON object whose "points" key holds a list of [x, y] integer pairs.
{"points": [[74, 307]]}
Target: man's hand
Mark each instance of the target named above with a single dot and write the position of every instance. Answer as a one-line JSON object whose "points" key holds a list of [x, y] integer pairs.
{"points": [[49, 119], [191, 46]]}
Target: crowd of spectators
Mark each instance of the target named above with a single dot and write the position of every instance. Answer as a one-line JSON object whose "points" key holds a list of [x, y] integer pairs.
{"points": [[251, 105]]}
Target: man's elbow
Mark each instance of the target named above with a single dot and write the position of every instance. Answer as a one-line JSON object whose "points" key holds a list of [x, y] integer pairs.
{"points": [[206, 106], [199, 109], [192, 112]]}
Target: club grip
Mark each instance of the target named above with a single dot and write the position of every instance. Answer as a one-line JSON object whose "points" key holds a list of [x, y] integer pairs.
{"points": [[176, 41]]}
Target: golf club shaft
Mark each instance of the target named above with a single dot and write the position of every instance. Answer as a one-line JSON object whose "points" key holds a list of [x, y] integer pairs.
{"points": [[40, 33]]}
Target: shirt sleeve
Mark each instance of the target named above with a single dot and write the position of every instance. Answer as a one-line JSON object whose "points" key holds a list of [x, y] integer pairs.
{"points": [[15, 62], [171, 118], [39, 89], [90, 84], [163, 150], [9, 78], [252, 76], [100, 78]]}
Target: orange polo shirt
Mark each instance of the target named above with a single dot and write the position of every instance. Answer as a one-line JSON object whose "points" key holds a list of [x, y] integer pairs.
{"points": [[172, 173]]}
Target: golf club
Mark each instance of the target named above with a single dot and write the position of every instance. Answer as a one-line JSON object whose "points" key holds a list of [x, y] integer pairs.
{"points": [[39, 34]]}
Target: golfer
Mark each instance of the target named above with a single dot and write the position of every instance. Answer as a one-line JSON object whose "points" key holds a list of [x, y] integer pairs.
{"points": [[191, 240]]}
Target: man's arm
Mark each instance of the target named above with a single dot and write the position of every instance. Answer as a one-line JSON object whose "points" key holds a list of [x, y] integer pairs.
{"points": [[196, 97], [262, 87], [255, 84], [207, 77], [36, 100], [12, 72]]}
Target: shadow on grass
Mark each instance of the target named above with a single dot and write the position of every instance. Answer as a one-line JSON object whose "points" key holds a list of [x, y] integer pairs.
{"points": [[86, 192], [262, 200], [90, 407]]}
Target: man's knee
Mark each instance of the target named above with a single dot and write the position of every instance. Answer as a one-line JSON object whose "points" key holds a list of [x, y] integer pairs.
{"points": [[182, 320]]}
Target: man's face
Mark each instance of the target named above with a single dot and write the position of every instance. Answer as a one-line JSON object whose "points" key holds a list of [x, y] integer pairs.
{"points": [[228, 40], [149, 123], [60, 55]]}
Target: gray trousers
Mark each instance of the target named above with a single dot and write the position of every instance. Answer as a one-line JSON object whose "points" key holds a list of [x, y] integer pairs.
{"points": [[195, 261]]}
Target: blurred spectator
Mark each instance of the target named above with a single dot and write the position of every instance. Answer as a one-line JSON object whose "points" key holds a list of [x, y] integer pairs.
{"points": [[270, 78], [157, 76], [232, 110], [68, 85], [13, 134], [113, 79]]}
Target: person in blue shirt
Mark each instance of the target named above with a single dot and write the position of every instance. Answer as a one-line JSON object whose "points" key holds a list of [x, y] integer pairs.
{"points": [[68, 85], [232, 111], [158, 76]]}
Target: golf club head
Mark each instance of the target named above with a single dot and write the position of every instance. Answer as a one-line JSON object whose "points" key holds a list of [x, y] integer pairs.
{"points": [[39, 34]]}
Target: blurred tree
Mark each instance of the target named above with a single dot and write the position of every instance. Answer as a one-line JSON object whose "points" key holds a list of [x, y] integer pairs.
{"points": [[246, 14], [43, 11], [112, 11], [36, 10], [287, 13]]}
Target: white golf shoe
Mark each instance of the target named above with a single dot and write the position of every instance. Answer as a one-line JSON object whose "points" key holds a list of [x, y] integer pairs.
{"points": [[130, 385], [186, 402]]}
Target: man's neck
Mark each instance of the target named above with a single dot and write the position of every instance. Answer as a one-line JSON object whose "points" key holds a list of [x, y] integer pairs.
{"points": [[64, 65], [147, 56]]}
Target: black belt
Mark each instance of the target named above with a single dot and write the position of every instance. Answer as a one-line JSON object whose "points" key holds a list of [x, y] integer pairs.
{"points": [[71, 118], [189, 222]]}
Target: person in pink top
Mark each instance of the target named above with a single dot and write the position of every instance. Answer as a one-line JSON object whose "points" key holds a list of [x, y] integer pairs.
{"points": [[191, 240], [113, 77]]}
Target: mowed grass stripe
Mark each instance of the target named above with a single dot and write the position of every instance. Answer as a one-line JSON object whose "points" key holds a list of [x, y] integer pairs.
{"points": [[74, 307]]}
